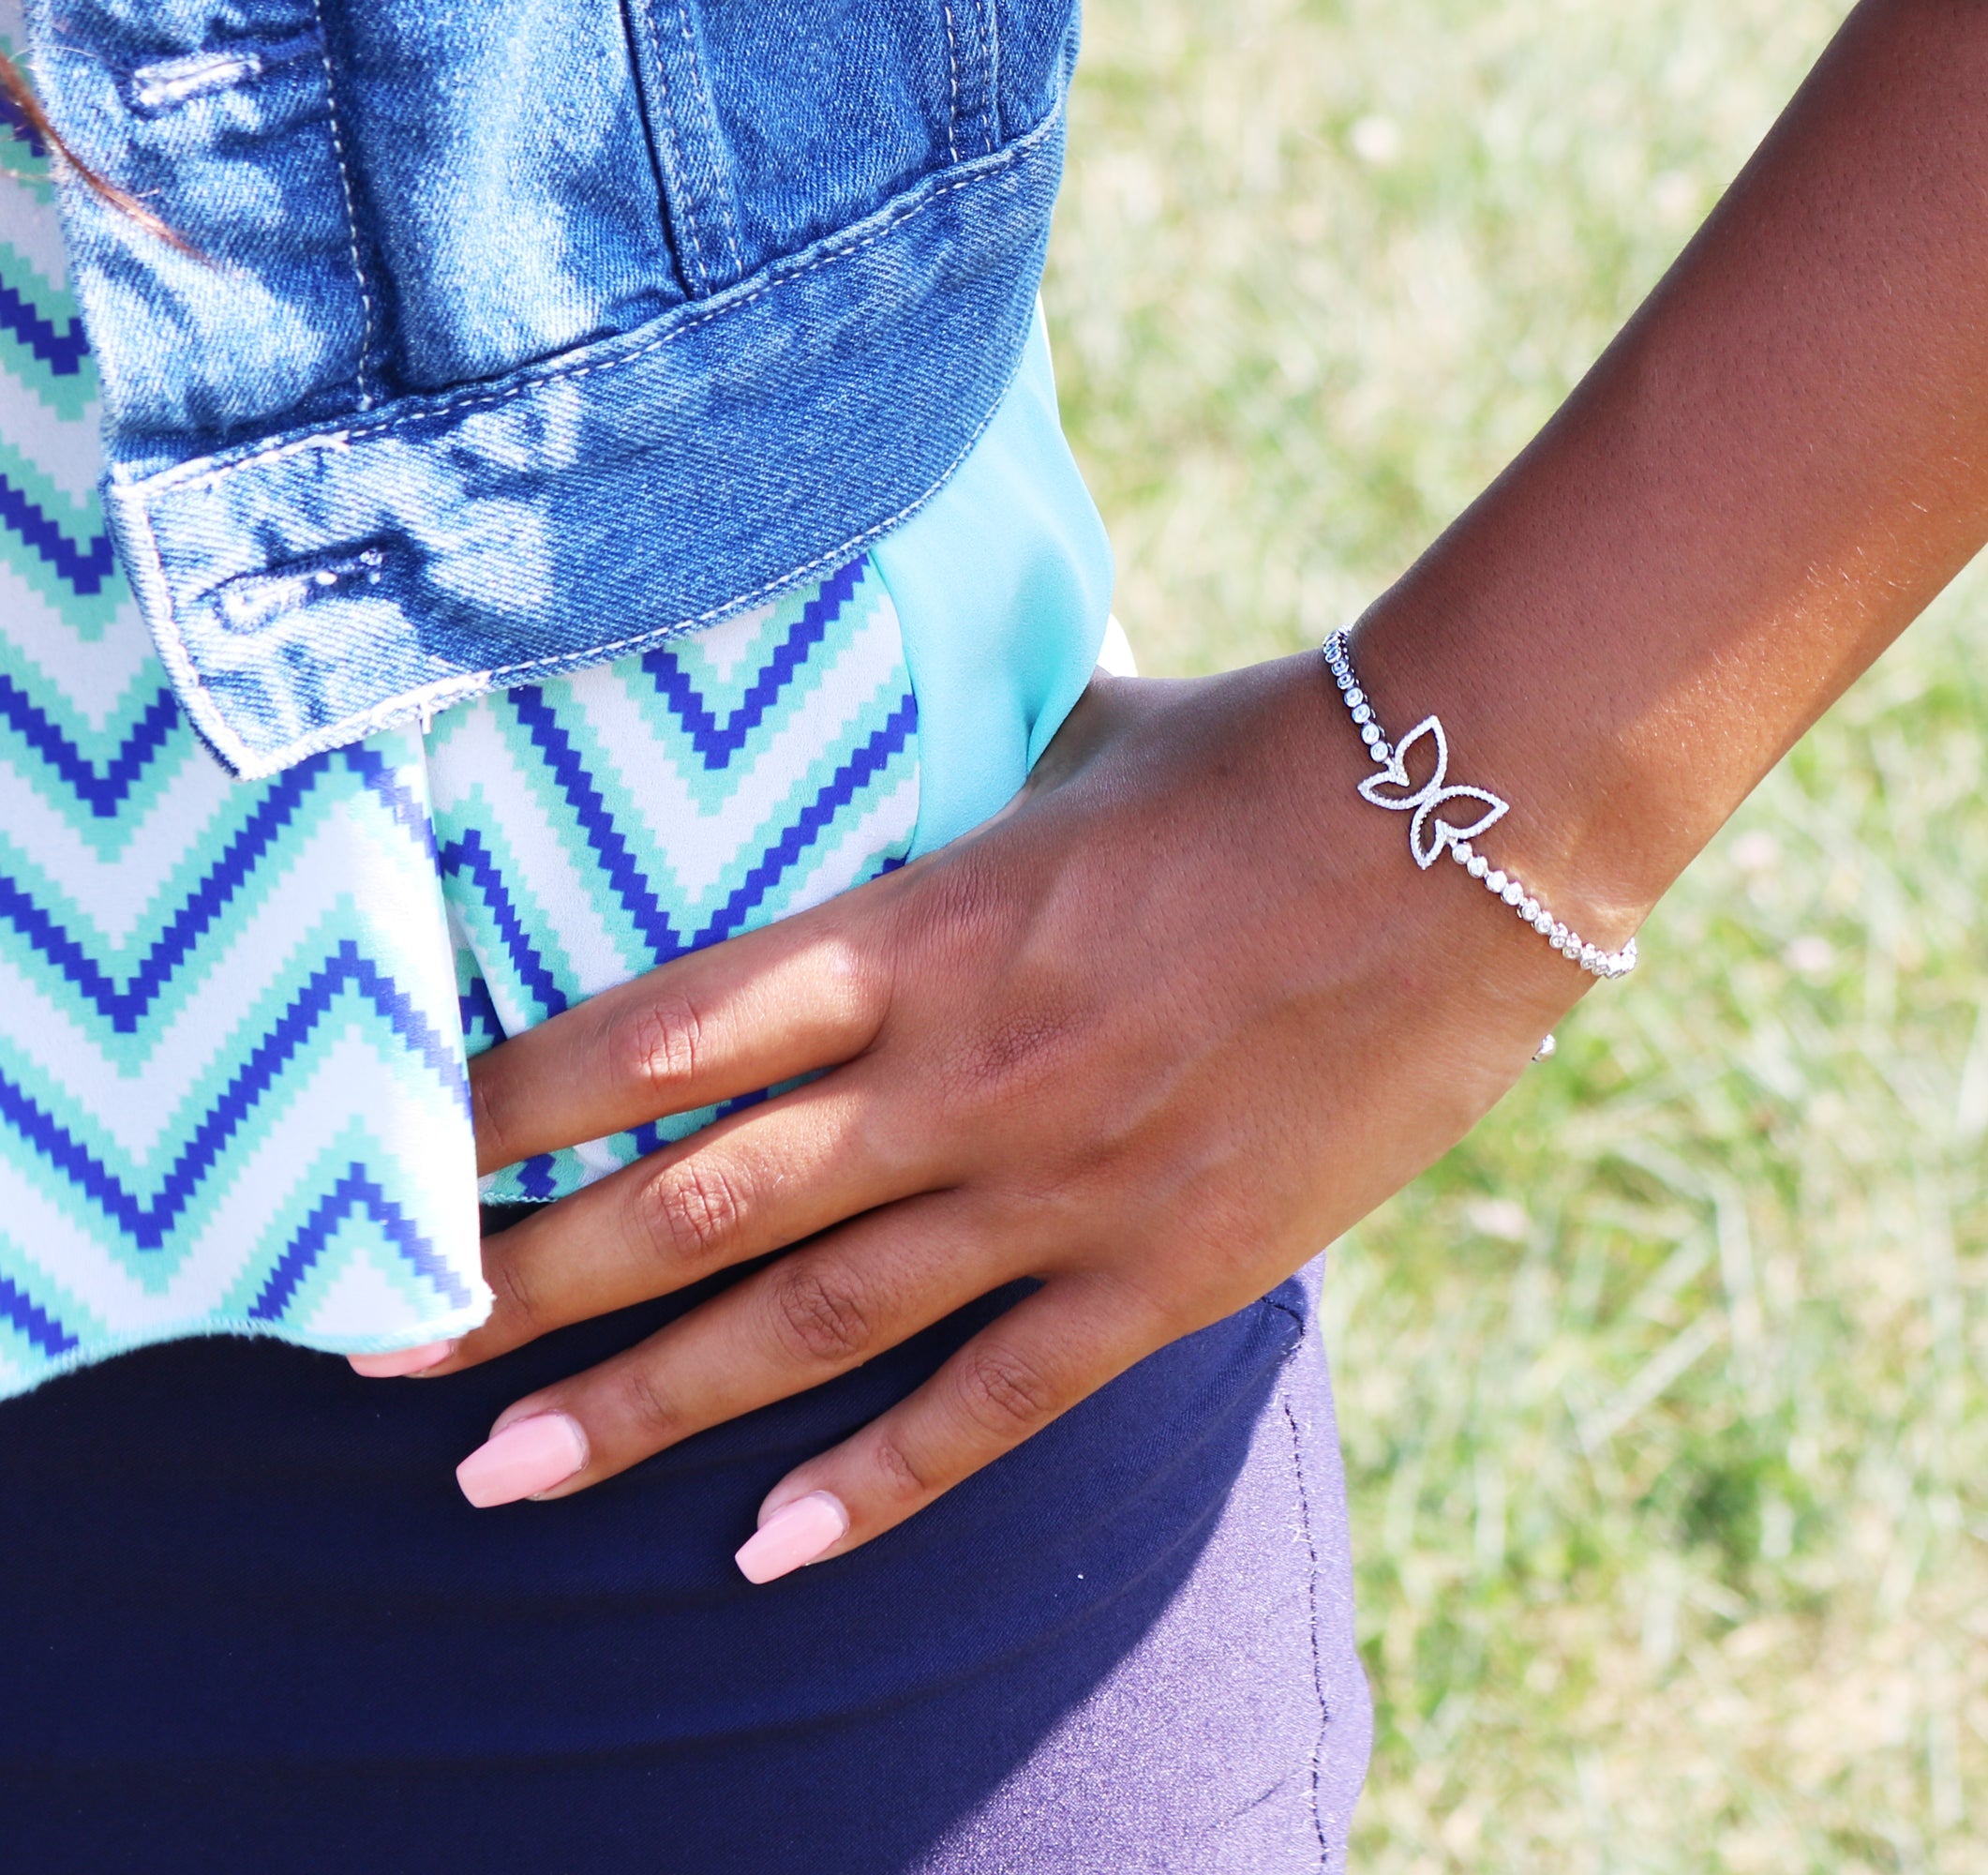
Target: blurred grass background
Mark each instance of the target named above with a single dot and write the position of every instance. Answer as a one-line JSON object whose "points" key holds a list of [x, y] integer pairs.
{"points": [[1660, 1395]]}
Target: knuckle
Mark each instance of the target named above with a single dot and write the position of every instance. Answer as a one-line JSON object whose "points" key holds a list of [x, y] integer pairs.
{"points": [[691, 1213], [659, 1048], [487, 1118], [903, 1481], [649, 1414], [854, 984], [819, 1318], [1017, 1050], [1002, 1392], [512, 1290], [963, 912]]}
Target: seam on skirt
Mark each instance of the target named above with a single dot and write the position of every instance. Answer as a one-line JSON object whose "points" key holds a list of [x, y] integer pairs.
{"points": [[1318, 1669]]}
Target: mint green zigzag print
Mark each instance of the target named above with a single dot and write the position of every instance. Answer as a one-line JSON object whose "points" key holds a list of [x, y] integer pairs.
{"points": [[247, 1303], [81, 521], [597, 763], [403, 1083], [313, 1097], [200, 945], [28, 1276], [725, 695], [330, 1195], [477, 919], [106, 834], [619, 777]]}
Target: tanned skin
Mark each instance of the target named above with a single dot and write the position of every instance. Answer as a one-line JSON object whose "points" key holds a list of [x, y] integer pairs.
{"points": [[1186, 1010]]}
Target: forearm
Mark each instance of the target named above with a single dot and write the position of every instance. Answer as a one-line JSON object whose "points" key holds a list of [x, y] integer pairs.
{"points": [[1769, 475]]}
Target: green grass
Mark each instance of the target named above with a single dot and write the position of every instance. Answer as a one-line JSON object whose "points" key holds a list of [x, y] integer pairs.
{"points": [[1661, 1396]]}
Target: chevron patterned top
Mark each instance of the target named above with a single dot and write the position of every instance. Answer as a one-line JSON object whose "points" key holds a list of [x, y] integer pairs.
{"points": [[232, 1095]]}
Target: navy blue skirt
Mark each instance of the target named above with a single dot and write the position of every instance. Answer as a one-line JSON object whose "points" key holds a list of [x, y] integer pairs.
{"points": [[250, 1624]]}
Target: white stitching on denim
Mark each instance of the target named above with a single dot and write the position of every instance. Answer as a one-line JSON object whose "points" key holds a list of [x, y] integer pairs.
{"points": [[351, 216], [718, 184], [146, 567], [673, 160], [953, 59], [167, 481], [1318, 1665], [254, 764], [991, 32]]}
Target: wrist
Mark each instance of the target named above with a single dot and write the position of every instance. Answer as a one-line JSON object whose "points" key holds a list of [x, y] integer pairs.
{"points": [[1576, 830], [1436, 925], [1449, 815]]}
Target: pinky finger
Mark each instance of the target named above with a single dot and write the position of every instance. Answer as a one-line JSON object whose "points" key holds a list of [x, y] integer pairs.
{"points": [[1052, 1349]]}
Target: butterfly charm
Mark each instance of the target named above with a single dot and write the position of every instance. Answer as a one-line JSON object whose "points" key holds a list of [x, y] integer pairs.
{"points": [[1429, 832]]}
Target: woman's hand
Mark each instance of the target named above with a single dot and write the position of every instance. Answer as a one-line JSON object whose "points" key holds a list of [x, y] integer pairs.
{"points": [[1186, 1010], [1170, 1023]]}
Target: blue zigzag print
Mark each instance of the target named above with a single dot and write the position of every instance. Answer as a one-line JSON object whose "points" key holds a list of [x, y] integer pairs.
{"points": [[34, 1321], [410, 812], [146, 1222], [84, 567], [611, 850], [536, 1176], [63, 353], [863, 765], [717, 742], [356, 1191], [125, 1007], [475, 1008], [648, 1135], [15, 119], [291, 904], [470, 857], [103, 793]]}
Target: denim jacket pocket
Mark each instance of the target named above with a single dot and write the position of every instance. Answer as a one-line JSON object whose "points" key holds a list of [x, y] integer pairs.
{"points": [[772, 125]]}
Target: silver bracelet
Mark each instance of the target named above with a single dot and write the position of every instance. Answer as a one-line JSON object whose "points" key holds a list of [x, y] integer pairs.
{"points": [[1429, 835]]}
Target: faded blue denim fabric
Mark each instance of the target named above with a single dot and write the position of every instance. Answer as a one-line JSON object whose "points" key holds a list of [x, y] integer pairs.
{"points": [[522, 335]]}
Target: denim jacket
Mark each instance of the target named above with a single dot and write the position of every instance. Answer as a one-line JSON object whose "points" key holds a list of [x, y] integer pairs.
{"points": [[517, 335]]}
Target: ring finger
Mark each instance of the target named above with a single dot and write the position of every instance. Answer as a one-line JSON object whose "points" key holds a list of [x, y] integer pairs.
{"points": [[804, 1319]]}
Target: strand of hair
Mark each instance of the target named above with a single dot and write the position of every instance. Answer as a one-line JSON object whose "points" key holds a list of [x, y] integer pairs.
{"points": [[21, 94]]}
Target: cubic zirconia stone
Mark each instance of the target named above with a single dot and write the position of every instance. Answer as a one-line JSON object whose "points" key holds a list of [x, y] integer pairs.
{"points": [[1478, 865], [1494, 881], [1512, 892], [1369, 734], [1361, 713]]}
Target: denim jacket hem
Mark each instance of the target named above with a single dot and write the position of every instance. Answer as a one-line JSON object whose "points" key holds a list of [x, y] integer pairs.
{"points": [[309, 590], [494, 341]]}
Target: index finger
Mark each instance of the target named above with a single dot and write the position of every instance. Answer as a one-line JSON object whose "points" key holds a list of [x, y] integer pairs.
{"points": [[808, 991]]}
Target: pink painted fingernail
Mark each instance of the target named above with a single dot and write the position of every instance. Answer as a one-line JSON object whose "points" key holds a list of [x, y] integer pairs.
{"points": [[401, 1360], [795, 1533], [527, 1457]]}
